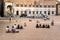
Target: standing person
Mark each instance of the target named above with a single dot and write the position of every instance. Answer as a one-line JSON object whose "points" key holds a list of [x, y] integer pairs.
{"points": [[7, 29], [25, 24], [52, 23], [10, 18]]}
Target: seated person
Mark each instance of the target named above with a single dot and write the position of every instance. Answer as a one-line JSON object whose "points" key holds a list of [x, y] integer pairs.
{"points": [[40, 26], [21, 27], [37, 26], [7, 29], [13, 29], [18, 26], [43, 25], [48, 26], [14, 26]]}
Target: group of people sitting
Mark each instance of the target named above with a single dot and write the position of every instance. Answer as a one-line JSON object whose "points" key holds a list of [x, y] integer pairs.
{"points": [[42, 26], [13, 29]]}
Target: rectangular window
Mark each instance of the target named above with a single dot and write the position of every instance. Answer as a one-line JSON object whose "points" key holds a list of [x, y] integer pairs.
{"points": [[52, 5], [40, 5], [21, 5]]}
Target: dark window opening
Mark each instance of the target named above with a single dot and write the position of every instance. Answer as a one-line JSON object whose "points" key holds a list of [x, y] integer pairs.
{"points": [[45, 6], [52, 5], [21, 5], [40, 5], [49, 6], [36, 5], [25, 5]]}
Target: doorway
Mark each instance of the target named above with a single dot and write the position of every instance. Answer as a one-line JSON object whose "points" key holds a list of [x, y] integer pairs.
{"points": [[17, 12], [48, 12], [9, 7]]}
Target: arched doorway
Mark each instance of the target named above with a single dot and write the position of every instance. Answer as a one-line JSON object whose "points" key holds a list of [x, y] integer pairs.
{"points": [[9, 7], [48, 12], [17, 13], [9, 10]]}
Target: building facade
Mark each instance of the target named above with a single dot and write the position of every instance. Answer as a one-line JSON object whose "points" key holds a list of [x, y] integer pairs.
{"points": [[29, 8]]}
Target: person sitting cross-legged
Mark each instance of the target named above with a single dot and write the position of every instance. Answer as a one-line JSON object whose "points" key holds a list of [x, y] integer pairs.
{"points": [[13, 29], [7, 29]]}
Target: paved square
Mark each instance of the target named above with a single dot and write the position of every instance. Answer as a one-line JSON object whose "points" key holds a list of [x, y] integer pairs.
{"points": [[30, 32]]}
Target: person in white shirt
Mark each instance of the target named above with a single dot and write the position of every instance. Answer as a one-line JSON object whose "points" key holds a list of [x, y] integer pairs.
{"points": [[13, 29], [7, 29], [15, 26]]}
